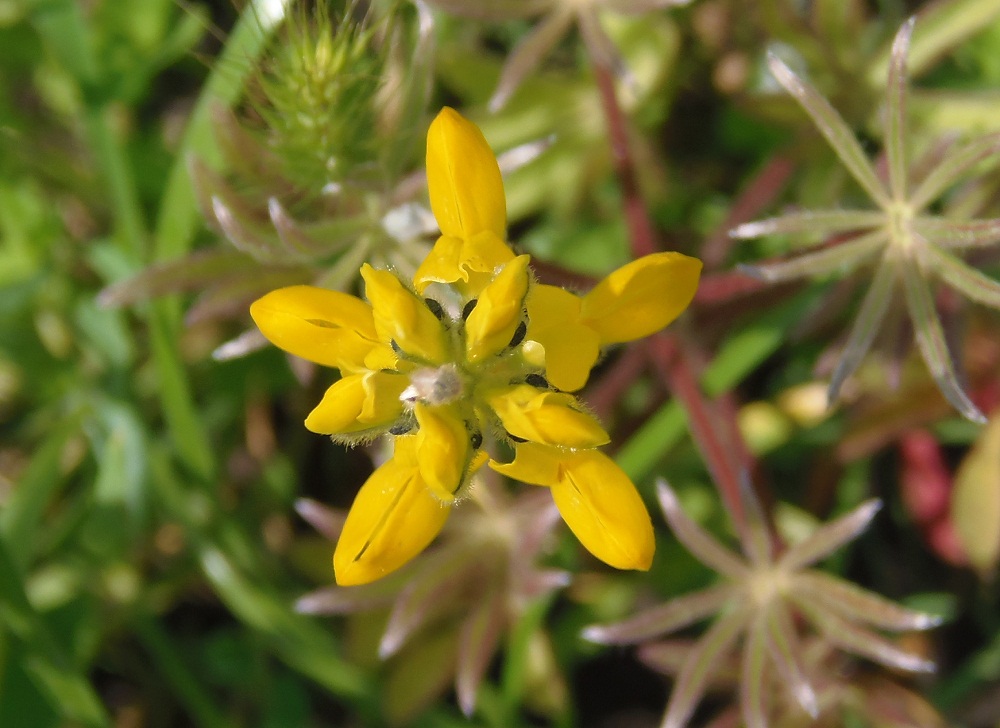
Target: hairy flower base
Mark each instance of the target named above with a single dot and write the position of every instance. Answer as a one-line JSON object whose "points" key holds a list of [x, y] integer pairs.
{"points": [[474, 347]]}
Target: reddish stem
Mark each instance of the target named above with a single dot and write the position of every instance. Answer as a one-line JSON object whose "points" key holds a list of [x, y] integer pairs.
{"points": [[640, 228], [720, 444], [714, 429], [758, 194]]}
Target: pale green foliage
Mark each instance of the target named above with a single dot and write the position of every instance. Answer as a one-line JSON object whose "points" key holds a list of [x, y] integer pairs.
{"points": [[908, 244], [761, 595]]}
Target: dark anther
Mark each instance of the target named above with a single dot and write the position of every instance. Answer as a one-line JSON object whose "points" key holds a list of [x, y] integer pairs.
{"points": [[515, 438], [467, 309], [435, 308], [401, 428], [395, 347], [537, 380], [518, 337], [477, 440]]}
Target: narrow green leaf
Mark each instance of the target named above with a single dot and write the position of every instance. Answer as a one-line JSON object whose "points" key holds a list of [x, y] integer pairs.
{"points": [[478, 640], [837, 260], [753, 697], [829, 537], [701, 664], [671, 616], [189, 273], [860, 605], [183, 417], [931, 341], [952, 167], [697, 540], [809, 222], [943, 25], [177, 219], [866, 325], [67, 690], [956, 235], [299, 642], [177, 671], [895, 114], [22, 513], [515, 671], [786, 653], [963, 277], [861, 642], [832, 126]]}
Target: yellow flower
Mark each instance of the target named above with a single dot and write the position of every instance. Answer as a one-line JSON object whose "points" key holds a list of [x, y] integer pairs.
{"points": [[473, 346]]}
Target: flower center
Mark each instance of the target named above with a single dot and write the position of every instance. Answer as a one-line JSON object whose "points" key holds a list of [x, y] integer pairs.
{"points": [[767, 584], [434, 385], [900, 232]]}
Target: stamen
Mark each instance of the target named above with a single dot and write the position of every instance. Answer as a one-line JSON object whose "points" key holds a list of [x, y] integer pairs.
{"points": [[537, 380], [519, 334], [467, 309], [401, 428], [476, 440], [435, 308]]}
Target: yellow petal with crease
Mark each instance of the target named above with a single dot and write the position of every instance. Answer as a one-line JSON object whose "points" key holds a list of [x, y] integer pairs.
{"points": [[602, 507], [443, 449], [642, 297], [463, 179], [402, 317], [468, 264], [327, 327], [595, 498], [549, 418], [498, 312], [359, 402], [393, 518]]}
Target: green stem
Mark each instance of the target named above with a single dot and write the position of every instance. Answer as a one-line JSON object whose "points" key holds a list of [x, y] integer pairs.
{"points": [[200, 706]]}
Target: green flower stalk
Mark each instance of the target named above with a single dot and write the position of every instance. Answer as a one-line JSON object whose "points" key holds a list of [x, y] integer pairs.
{"points": [[908, 244]]}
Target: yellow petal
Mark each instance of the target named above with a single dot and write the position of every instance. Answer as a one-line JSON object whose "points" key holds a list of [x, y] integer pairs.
{"points": [[468, 264], [402, 317], [499, 311], [393, 518], [551, 306], [549, 418], [463, 179], [322, 326], [570, 353], [595, 497], [359, 402], [602, 507], [642, 297], [571, 348], [534, 464], [443, 449]]}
